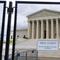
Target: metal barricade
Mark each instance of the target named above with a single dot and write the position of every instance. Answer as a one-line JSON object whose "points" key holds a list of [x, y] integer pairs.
{"points": [[25, 55]]}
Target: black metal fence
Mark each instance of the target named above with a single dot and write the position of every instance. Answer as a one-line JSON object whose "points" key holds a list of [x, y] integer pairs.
{"points": [[2, 28], [27, 55]]}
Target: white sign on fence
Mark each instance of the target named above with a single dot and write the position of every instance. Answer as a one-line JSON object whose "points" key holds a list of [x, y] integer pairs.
{"points": [[47, 45]]}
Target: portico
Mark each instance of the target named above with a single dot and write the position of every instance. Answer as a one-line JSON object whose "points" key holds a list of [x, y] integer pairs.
{"points": [[45, 27]]}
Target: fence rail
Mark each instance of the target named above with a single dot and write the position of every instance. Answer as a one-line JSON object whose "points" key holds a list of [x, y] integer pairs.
{"points": [[25, 55]]}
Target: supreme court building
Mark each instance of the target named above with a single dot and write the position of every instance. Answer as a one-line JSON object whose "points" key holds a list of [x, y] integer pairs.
{"points": [[44, 24]]}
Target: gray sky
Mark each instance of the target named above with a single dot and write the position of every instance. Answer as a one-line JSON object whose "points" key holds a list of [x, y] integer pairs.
{"points": [[25, 9]]}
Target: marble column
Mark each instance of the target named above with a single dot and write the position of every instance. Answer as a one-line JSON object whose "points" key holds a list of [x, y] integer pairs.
{"points": [[32, 29], [52, 28], [37, 30], [28, 29], [47, 29], [57, 32], [42, 29]]}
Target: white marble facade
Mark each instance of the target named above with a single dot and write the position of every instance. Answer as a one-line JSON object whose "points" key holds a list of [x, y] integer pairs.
{"points": [[44, 24]]}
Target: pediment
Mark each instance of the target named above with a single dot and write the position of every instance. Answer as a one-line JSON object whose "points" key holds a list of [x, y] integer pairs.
{"points": [[44, 13]]}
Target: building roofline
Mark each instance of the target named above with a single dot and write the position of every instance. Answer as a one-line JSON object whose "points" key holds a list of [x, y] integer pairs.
{"points": [[54, 11]]}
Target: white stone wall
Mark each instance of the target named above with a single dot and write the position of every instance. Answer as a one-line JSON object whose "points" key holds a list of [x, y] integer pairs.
{"points": [[19, 33]]}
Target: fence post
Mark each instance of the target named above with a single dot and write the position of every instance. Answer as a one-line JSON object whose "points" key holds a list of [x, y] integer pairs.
{"points": [[26, 55], [14, 33], [2, 30], [10, 10]]}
